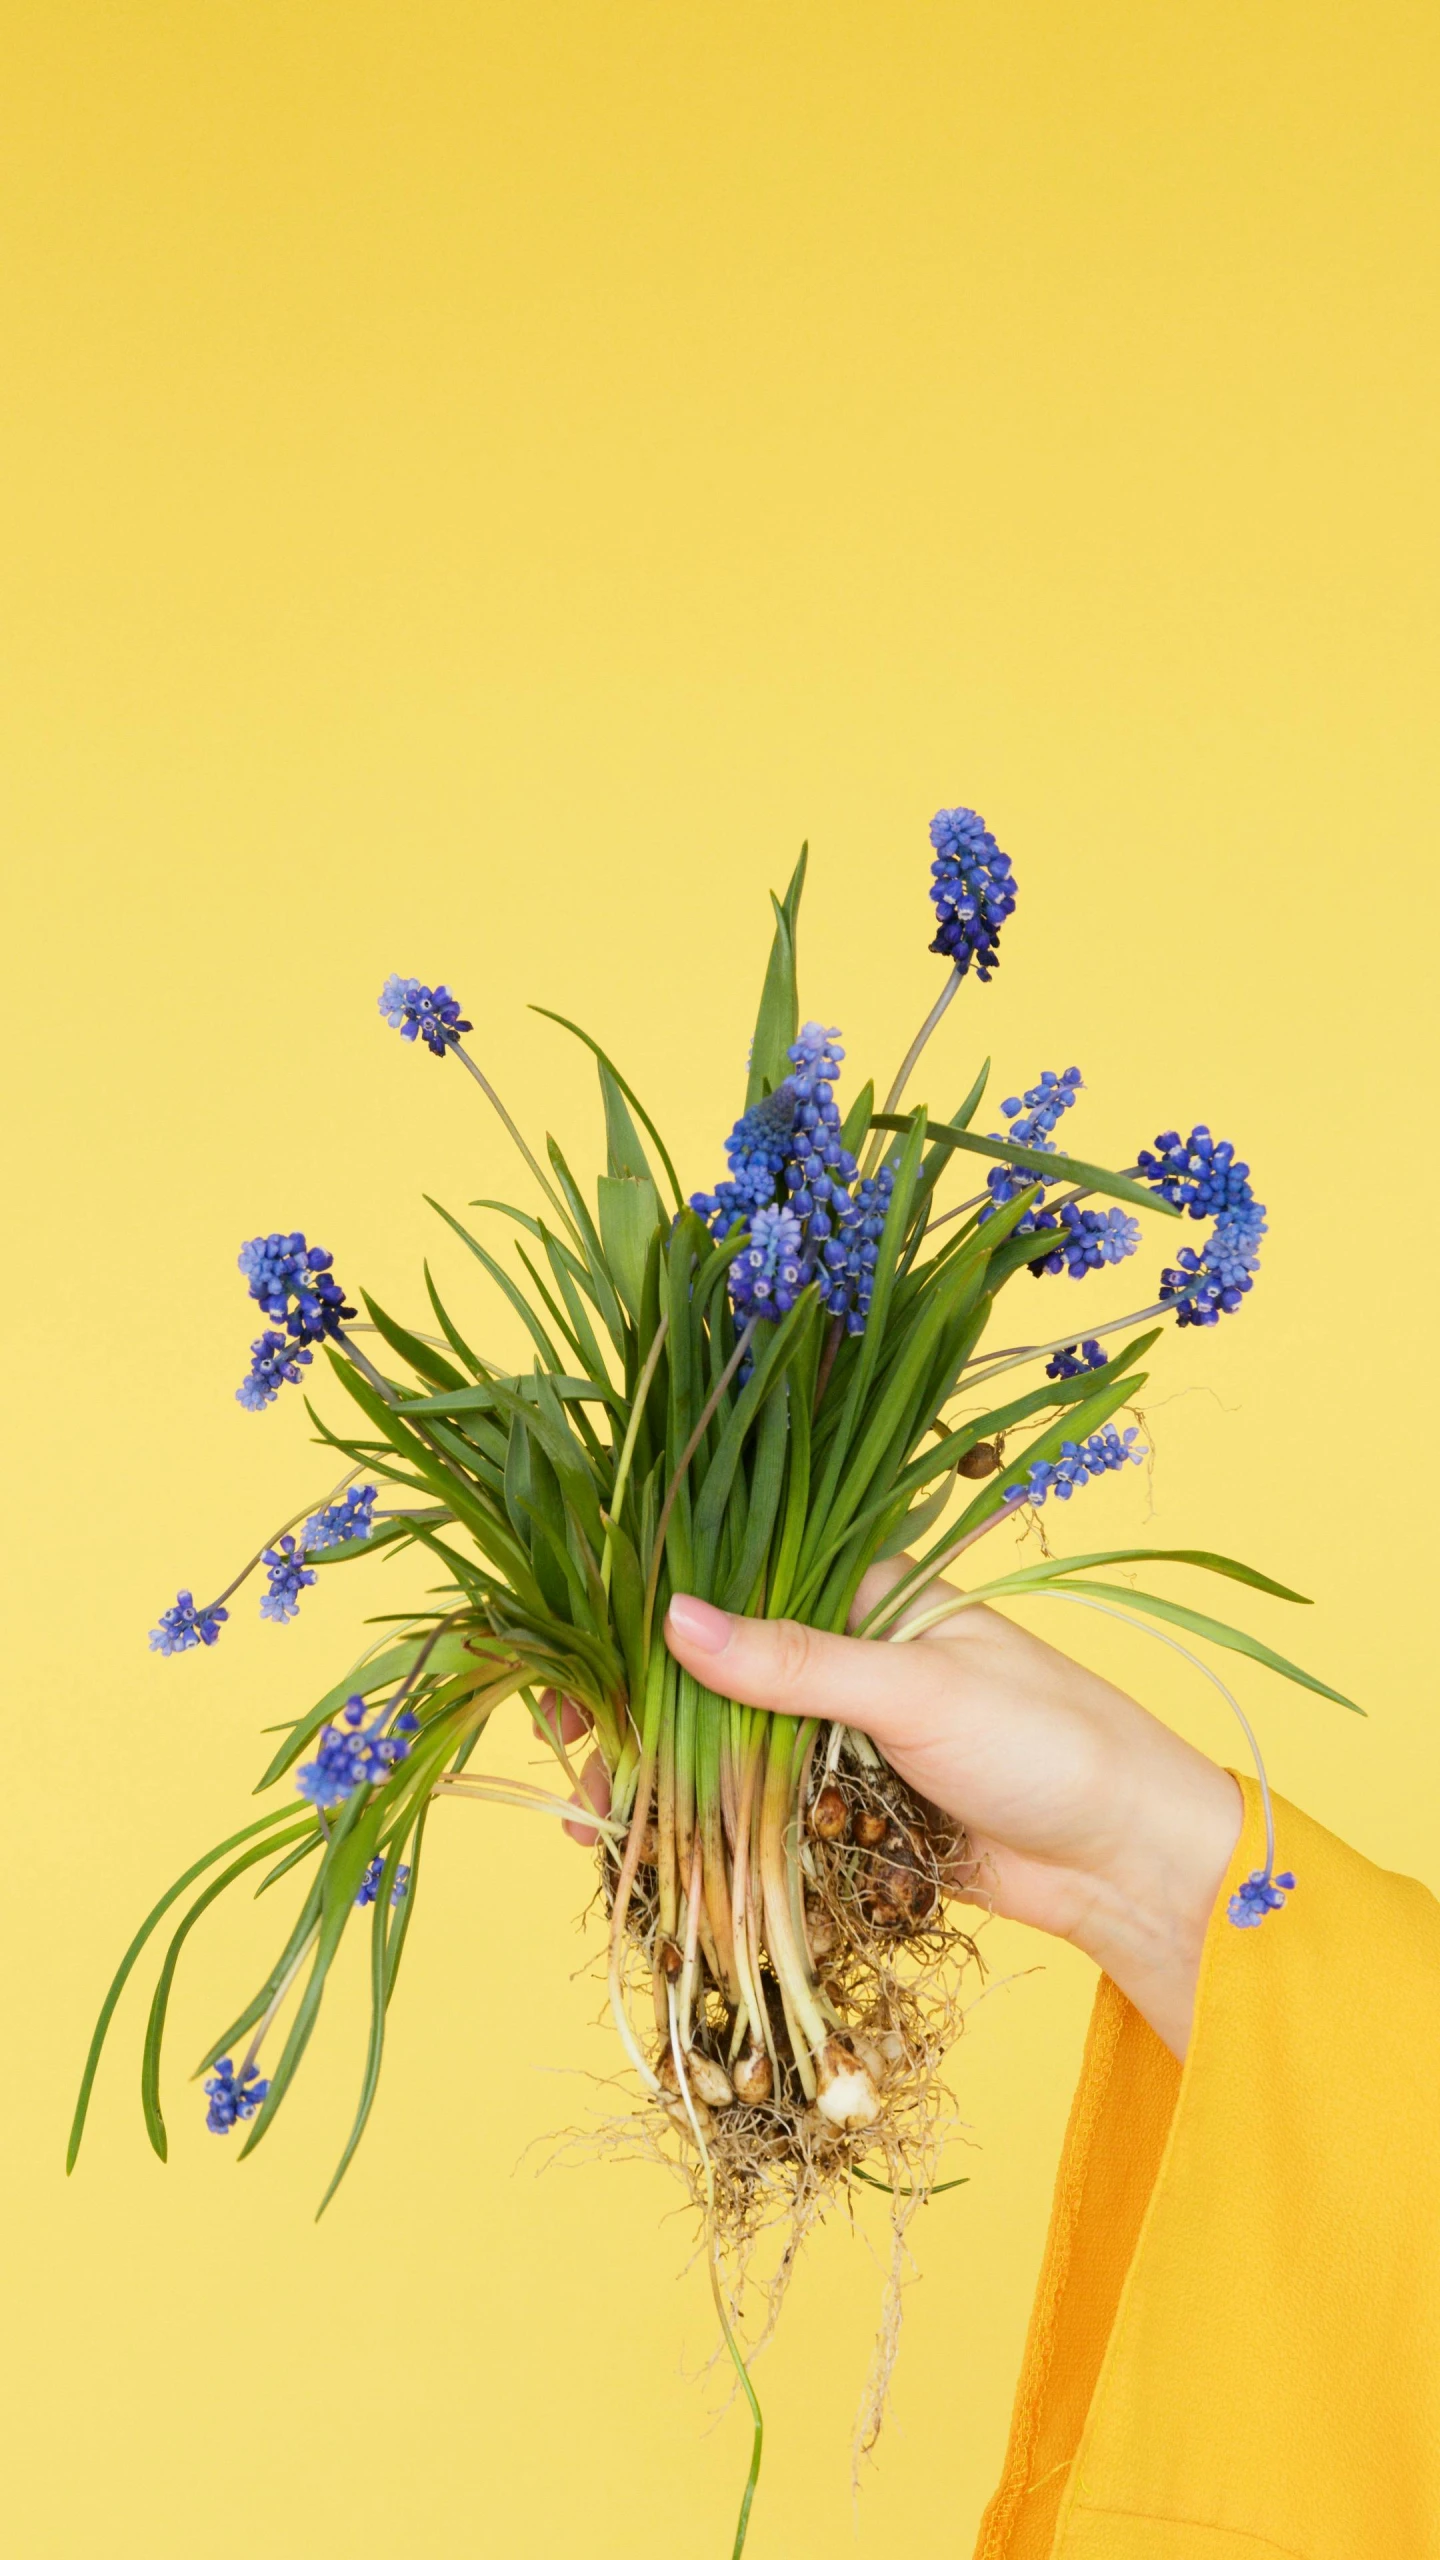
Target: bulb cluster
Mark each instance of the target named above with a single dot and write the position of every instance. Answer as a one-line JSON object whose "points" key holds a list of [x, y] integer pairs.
{"points": [[797, 1188]]}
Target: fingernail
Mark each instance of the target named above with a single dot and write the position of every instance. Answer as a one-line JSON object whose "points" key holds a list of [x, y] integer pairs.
{"points": [[704, 1629]]}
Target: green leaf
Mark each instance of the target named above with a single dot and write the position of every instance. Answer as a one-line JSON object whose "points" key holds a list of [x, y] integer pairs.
{"points": [[502, 1279], [1233, 1638], [264, 1822], [857, 1118], [1056, 1168], [779, 1017], [155, 2030], [1200, 1556], [629, 1217], [623, 1152], [424, 1360], [628, 1091]]}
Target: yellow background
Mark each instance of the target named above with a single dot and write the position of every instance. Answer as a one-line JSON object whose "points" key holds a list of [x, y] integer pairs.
{"points": [[480, 483]]}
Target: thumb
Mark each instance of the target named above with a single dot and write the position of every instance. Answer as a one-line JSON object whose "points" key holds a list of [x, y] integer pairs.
{"points": [[887, 1691]]}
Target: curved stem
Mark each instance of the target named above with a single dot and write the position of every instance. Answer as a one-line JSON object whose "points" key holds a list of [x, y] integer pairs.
{"points": [[246, 1570], [547, 1186], [908, 1064]]}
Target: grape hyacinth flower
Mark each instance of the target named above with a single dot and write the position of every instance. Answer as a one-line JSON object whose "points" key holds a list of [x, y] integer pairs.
{"points": [[273, 1362], [766, 1279], [347, 1760], [417, 1012], [342, 1521], [1075, 1359], [1200, 1175], [370, 1884], [1078, 1461], [973, 890], [1085, 1239], [185, 1625], [789, 1168], [1259, 1895], [282, 1268], [233, 2101], [288, 1578], [1033, 1122]]}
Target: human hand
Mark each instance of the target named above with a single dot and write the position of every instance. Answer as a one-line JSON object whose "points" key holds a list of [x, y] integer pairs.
{"points": [[1086, 1816]]}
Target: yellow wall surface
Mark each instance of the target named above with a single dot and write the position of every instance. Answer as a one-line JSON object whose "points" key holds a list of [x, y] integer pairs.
{"points": [[480, 484]]}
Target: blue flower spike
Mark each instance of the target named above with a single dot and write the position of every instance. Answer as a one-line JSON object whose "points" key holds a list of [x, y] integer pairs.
{"points": [[1259, 1895], [370, 1884], [1200, 1175], [1079, 1460], [417, 1012], [184, 1626], [288, 1577], [973, 887], [291, 1282], [798, 1190], [1075, 1359], [354, 1758], [234, 2101], [343, 1521]]}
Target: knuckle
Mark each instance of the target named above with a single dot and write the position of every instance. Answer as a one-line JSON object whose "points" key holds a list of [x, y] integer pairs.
{"points": [[794, 1655]]}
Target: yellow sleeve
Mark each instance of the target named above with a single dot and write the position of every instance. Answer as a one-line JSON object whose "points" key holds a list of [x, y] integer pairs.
{"points": [[1235, 2346]]}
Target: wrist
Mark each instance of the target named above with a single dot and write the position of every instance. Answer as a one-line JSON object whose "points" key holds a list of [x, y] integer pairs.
{"points": [[1147, 1908]]}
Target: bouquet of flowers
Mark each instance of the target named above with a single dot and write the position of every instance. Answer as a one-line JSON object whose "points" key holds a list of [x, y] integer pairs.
{"points": [[750, 1394]]}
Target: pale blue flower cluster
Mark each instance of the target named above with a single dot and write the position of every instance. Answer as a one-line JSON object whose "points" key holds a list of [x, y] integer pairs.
{"points": [[1259, 1895], [354, 1758], [1079, 1460]]}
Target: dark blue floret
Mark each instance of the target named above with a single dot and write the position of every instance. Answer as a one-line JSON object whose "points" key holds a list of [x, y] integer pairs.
{"points": [[184, 1626], [1085, 1239], [291, 1282], [417, 1012], [973, 889], [370, 1883], [288, 1577], [1198, 1173], [1075, 1360], [1033, 1122], [233, 2101], [1079, 1460], [347, 1760], [341, 1521], [1259, 1895], [274, 1363]]}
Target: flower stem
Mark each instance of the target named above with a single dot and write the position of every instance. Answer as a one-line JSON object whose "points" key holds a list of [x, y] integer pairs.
{"points": [[459, 1050], [909, 1062]]}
